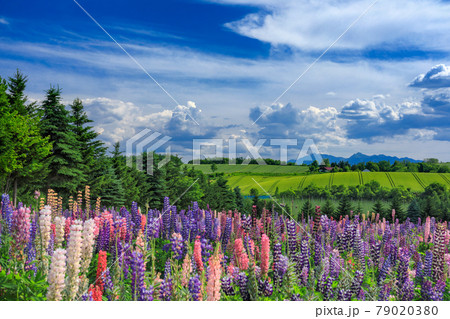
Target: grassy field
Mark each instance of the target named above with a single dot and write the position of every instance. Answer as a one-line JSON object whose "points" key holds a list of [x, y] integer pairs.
{"points": [[415, 181], [252, 169]]}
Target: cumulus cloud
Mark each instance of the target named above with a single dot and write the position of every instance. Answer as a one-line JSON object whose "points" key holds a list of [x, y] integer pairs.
{"points": [[314, 25], [3, 21], [118, 120], [437, 77]]}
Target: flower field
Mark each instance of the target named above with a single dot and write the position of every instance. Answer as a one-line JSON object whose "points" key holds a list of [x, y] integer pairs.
{"points": [[93, 254]]}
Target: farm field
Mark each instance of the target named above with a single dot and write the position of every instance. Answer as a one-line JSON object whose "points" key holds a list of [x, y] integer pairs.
{"points": [[251, 169], [175, 254], [414, 181]]}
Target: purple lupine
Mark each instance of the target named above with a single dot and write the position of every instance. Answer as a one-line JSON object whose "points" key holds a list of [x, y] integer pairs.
{"points": [[135, 218], [375, 252], [165, 290], [427, 264], [402, 270], [7, 212], [51, 244], [177, 245], [357, 281], [324, 286], [87, 296], [227, 288], [146, 294], [152, 228], [282, 267], [385, 292], [167, 269], [276, 261], [406, 292], [109, 286], [242, 282], [318, 250], [419, 271], [215, 229], [166, 223], [384, 270], [292, 237], [344, 295], [137, 274], [173, 219], [195, 287], [296, 297], [207, 249], [208, 224], [226, 234], [265, 287]]}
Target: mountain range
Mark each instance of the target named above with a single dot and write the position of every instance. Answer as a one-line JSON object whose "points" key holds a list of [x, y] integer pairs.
{"points": [[357, 158]]}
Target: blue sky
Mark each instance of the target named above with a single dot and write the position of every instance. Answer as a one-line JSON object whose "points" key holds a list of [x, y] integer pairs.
{"points": [[384, 87]]}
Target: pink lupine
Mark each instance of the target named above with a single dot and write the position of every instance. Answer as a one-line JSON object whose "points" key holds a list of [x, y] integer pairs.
{"points": [[21, 226], [198, 254], [427, 229], [241, 255], [265, 251], [215, 271]]}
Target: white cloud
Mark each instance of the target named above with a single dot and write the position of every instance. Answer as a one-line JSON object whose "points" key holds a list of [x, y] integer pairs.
{"points": [[4, 21], [437, 77], [314, 25]]}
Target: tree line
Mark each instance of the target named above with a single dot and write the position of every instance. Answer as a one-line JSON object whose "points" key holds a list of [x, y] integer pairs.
{"points": [[49, 145]]}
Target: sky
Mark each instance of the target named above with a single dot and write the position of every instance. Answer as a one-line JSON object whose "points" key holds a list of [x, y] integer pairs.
{"points": [[370, 76]]}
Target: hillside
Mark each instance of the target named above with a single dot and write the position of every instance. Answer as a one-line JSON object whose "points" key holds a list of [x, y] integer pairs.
{"points": [[359, 158]]}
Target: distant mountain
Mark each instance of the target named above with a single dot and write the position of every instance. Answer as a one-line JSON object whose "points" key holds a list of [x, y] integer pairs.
{"points": [[358, 158]]}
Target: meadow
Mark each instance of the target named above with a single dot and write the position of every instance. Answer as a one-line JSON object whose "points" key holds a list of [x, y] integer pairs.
{"points": [[189, 253], [271, 177]]}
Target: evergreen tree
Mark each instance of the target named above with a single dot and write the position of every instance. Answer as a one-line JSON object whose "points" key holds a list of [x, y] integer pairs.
{"points": [[378, 208], [110, 187], [91, 148], [65, 162], [328, 209], [22, 148], [397, 205], [239, 199], [307, 209], [345, 206], [16, 94], [414, 211]]}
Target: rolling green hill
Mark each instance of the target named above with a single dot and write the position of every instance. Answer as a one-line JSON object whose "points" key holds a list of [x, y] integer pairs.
{"points": [[269, 177]]}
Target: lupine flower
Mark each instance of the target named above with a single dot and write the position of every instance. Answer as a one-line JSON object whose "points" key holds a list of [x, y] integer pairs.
{"points": [[165, 290], [195, 288], [357, 281], [60, 223], [88, 244], [109, 286], [265, 288], [56, 275], [137, 274], [215, 271], [438, 252], [428, 263], [74, 259], [101, 267], [96, 292], [198, 255], [227, 287], [242, 282], [21, 226], [226, 235], [45, 225], [265, 251], [240, 254]]}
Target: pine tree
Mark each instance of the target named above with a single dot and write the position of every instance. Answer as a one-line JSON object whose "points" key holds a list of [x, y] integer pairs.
{"points": [[110, 186], [399, 212], [91, 148], [16, 95], [378, 208], [65, 162], [239, 199], [414, 211], [22, 148], [328, 209], [345, 206], [307, 209]]}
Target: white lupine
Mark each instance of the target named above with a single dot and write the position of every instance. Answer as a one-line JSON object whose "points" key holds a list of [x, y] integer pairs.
{"points": [[74, 259], [88, 244], [56, 275], [60, 223], [45, 222]]}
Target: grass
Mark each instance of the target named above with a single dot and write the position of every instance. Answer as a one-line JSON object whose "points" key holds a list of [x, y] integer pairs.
{"points": [[295, 177]]}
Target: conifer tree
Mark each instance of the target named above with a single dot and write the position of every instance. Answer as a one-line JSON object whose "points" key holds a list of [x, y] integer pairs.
{"points": [[65, 162], [414, 211], [378, 208], [328, 209], [344, 206]]}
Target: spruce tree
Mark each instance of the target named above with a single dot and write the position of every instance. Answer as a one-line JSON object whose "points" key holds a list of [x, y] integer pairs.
{"points": [[110, 189], [16, 94], [414, 211], [397, 205], [378, 208], [345, 206], [239, 199], [307, 209], [91, 148], [65, 162], [328, 209]]}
